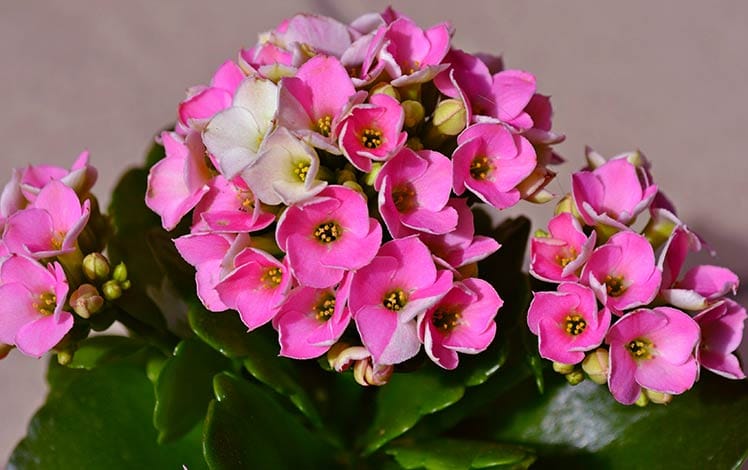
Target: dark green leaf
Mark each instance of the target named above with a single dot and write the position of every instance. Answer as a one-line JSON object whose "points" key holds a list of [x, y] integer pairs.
{"points": [[101, 419], [405, 400], [583, 426], [247, 428], [455, 454], [98, 350], [184, 388], [223, 331]]}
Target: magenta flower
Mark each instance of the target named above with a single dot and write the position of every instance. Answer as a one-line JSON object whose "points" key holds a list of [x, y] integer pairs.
{"points": [[372, 131], [31, 315], [205, 102], [652, 349], [256, 288], [612, 194], [721, 332], [180, 180], [491, 162], [567, 322], [81, 177], [399, 284], [459, 247], [230, 207], [51, 226], [560, 256], [312, 102], [622, 272], [462, 321], [414, 189], [327, 236], [312, 320]]}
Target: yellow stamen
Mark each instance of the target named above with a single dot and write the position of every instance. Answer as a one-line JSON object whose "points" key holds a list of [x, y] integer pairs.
{"points": [[480, 168], [371, 138], [575, 324], [324, 125], [395, 300], [272, 277], [328, 232], [325, 308], [446, 319]]}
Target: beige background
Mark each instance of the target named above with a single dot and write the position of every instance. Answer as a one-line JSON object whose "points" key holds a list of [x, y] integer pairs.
{"points": [[667, 77]]}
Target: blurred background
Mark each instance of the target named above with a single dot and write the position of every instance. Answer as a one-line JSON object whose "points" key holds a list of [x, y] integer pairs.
{"points": [[666, 77]]}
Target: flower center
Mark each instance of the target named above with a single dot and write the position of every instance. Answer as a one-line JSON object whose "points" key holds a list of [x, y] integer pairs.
{"points": [[272, 277], [301, 169], [566, 257], [247, 201], [328, 232], [371, 138], [325, 308], [446, 319], [574, 324], [480, 168], [324, 125], [46, 304], [640, 348], [614, 285], [395, 300], [403, 197]]}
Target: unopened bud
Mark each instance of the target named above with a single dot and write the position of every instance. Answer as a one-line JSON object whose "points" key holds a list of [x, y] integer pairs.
{"points": [[5, 349], [562, 368], [414, 143], [111, 290], [450, 117], [595, 365], [660, 226], [86, 300], [347, 173], [354, 186], [575, 378], [371, 177], [96, 267], [64, 357], [642, 400], [532, 188], [367, 373], [386, 89], [540, 233], [342, 355], [414, 112], [120, 273], [566, 206], [658, 398]]}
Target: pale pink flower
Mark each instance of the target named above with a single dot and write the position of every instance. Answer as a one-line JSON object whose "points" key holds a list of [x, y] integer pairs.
{"points": [[178, 182], [567, 322], [51, 226], [256, 288], [461, 322], [490, 162], [312, 320], [372, 131], [81, 177], [327, 236], [612, 194], [652, 349], [721, 333], [230, 207], [12, 199], [561, 255], [622, 272], [399, 284], [31, 313], [414, 188], [204, 102]]}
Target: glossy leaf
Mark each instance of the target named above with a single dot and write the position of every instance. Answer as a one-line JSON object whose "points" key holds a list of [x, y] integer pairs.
{"points": [[247, 428], [449, 454], [98, 350], [184, 388], [405, 400], [101, 419], [223, 331]]}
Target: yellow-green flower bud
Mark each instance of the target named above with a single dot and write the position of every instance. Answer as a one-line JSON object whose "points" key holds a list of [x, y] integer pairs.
{"points": [[86, 301], [562, 368], [96, 267], [575, 378], [414, 112], [642, 401], [111, 290], [566, 205], [658, 398], [386, 89], [414, 143], [595, 365], [120, 273], [450, 117], [64, 357], [660, 226]]}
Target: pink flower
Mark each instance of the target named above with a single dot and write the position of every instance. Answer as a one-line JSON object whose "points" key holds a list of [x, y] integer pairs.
{"points": [[399, 284], [31, 315], [230, 207], [256, 288], [652, 349], [721, 333], [622, 272], [561, 255], [51, 226], [327, 236], [372, 131], [312, 320], [462, 321], [81, 177], [12, 199], [413, 192], [491, 162], [567, 322], [205, 102], [612, 194], [178, 182], [460, 246]]}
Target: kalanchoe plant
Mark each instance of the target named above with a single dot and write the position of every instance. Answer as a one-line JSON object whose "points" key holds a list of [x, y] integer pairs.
{"points": [[310, 277]]}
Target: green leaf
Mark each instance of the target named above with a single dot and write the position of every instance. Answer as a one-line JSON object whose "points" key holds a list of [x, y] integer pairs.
{"points": [[184, 388], [454, 454], [247, 428], [98, 350], [405, 400], [223, 331], [583, 426], [100, 419]]}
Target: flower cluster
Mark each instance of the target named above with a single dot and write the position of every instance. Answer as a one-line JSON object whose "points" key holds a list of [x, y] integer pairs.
{"points": [[48, 221], [330, 173], [667, 325]]}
